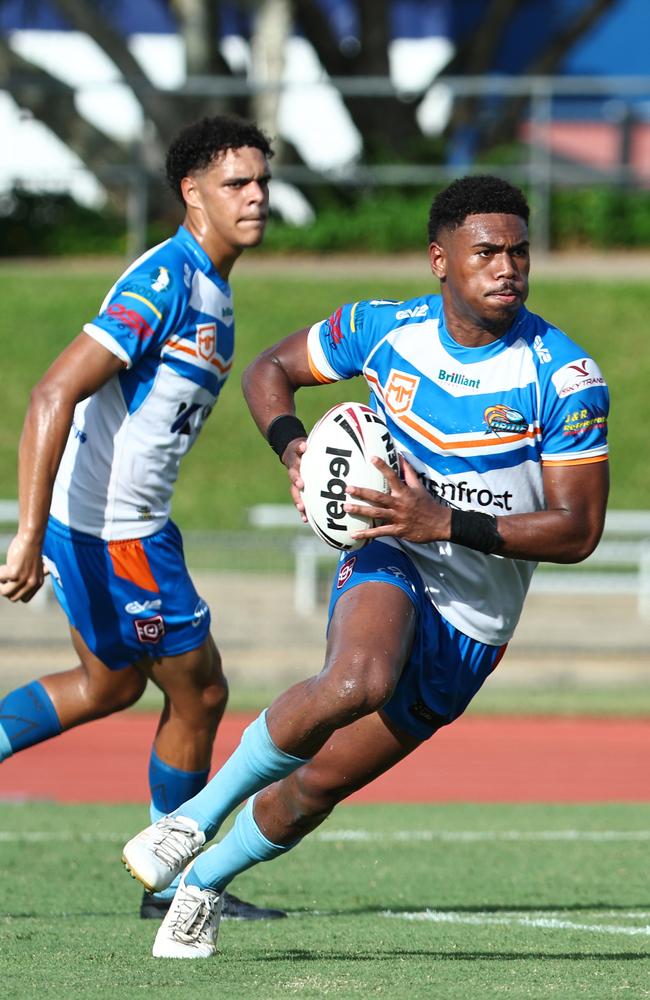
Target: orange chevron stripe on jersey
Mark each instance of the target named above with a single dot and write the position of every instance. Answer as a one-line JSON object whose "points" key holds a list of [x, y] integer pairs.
{"points": [[175, 345], [483, 442], [130, 563]]}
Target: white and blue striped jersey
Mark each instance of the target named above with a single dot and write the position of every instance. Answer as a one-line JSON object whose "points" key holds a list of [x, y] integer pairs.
{"points": [[477, 424], [169, 318]]}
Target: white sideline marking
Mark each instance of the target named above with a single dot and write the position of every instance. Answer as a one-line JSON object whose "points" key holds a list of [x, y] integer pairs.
{"points": [[515, 920], [468, 836], [367, 836], [60, 837]]}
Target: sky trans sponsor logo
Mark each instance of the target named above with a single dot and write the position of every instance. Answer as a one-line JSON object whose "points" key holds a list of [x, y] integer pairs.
{"points": [[578, 375]]}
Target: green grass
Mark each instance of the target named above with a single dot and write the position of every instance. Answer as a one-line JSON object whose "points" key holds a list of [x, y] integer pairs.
{"points": [[445, 901], [231, 468]]}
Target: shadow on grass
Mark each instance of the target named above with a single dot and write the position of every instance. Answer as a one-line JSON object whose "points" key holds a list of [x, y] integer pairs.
{"points": [[304, 955]]}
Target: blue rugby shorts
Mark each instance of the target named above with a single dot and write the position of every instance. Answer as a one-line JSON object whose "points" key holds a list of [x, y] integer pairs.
{"points": [[445, 668], [129, 599]]}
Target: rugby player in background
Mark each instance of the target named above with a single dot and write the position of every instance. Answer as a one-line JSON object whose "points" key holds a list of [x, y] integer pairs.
{"points": [[105, 432]]}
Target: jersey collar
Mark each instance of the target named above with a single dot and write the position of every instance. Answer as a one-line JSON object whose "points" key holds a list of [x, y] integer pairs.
{"points": [[473, 354], [201, 258]]}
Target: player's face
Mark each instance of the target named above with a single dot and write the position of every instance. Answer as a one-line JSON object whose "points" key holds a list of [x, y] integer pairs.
{"points": [[228, 202], [483, 267]]}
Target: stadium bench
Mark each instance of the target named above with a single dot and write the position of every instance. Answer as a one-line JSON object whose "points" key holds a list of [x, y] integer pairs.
{"points": [[620, 564]]}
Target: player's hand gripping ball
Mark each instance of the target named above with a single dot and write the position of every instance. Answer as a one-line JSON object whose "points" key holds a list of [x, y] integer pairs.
{"points": [[338, 454]]}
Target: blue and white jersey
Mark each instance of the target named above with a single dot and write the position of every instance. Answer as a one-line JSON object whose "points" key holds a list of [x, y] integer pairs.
{"points": [[477, 424], [169, 318]]}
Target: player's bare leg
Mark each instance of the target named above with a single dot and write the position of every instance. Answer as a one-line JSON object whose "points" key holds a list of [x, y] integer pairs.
{"points": [[196, 693], [350, 759], [47, 707], [272, 823], [369, 641], [91, 690]]}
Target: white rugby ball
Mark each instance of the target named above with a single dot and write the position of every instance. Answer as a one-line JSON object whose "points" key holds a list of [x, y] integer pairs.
{"points": [[338, 455]]}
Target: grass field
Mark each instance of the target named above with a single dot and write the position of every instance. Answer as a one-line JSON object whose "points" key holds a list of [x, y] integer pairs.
{"points": [[227, 472], [453, 901]]}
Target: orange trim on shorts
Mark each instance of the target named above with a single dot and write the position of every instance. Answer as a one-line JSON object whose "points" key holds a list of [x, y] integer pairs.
{"points": [[130, 563]]}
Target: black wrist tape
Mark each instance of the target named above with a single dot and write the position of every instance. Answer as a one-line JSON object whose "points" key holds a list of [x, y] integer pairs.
{"points": [[475, 530], [282, 431]]}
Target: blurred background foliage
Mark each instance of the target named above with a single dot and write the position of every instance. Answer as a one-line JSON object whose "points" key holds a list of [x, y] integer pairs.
{"points": [[380, 222]]}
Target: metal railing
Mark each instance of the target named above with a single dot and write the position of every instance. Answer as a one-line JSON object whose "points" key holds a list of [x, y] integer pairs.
{"points": [[621, 101]]}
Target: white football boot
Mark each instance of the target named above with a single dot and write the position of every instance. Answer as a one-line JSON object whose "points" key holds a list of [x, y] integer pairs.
{"points": [[191, 924], [161, 851]]}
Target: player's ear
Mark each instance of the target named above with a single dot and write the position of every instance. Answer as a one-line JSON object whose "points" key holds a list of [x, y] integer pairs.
{"points": [[438, 260], [190, 192]]}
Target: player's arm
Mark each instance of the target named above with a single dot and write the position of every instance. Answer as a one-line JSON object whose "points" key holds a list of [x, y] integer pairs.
{"points": [[80, 370], [570, 528], [567, 531], [269, 385]]}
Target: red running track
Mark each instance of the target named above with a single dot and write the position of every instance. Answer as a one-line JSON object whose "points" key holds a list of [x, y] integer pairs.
{"points": [[476, 760]]}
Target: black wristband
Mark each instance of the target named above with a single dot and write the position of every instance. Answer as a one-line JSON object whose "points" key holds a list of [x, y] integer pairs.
{"points": [[475, 530], [282, 431]]}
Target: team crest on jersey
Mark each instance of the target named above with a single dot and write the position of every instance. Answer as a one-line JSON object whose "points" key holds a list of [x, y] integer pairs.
{"points": [[206, 340], [345, 572], [150, 630], [400, 391], [503, 419]]}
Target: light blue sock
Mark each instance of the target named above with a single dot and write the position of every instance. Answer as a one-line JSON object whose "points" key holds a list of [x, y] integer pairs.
{"points": [[242, 847], [256, 763]]}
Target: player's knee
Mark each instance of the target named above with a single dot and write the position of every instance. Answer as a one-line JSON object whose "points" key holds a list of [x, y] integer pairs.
{"points": [[214, 691], [214, 698], [354, 693], [311, 798], [125, 689]]}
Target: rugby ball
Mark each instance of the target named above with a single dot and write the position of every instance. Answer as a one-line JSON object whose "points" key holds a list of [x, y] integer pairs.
{"points": [[338, 453]]}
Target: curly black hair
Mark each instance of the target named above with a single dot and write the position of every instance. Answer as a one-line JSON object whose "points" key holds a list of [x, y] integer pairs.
{"points": [[198, 145], [480, 194]]}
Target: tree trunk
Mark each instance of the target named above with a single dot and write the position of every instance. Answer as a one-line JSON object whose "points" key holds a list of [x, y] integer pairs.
{"points": [[271, 30], [387, 124]]}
